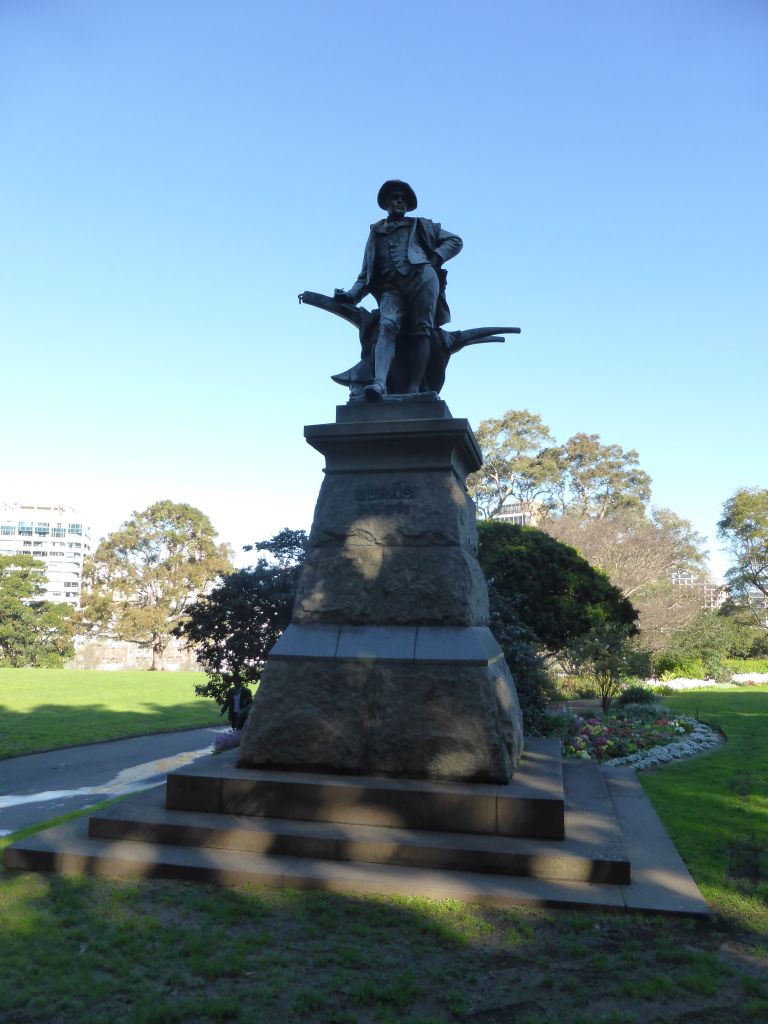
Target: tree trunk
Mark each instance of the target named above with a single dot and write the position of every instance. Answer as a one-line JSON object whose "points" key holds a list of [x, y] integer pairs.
{"points": [[157, 659]]}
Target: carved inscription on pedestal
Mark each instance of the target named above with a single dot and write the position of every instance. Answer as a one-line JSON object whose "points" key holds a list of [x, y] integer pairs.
{"points": [[385, 499]]}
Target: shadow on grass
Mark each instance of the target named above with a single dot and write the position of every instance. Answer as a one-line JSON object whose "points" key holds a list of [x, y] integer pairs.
{"points": [[53, 726], [164, 951], [173, 951]]}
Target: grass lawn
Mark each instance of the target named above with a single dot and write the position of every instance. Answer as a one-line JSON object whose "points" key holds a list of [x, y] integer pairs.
{"points": [[715, 807], [42, 709], [155, 951]]}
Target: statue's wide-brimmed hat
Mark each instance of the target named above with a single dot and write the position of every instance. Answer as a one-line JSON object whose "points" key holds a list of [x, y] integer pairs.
{"points": [[410, 195]]}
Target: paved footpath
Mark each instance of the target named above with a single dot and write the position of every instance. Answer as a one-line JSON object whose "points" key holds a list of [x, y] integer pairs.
{"points": [[37, 787]]}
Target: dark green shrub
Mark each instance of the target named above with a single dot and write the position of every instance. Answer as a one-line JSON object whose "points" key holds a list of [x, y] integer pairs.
{"points": [[576, 687], [636, 694], [233, 627], [717, 669], [555, 592], [674, 666], [559, 723], [645, 713], [535, 689]]}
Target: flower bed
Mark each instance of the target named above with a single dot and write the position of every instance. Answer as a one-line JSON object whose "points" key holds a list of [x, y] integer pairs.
{"points": [[618, 734]]}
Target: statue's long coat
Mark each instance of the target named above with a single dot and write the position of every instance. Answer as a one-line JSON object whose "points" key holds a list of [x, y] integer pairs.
{"points": [[426, 238]]}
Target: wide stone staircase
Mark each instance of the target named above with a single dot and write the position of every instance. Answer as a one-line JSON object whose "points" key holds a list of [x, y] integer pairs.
{"points": [[559, 834]]}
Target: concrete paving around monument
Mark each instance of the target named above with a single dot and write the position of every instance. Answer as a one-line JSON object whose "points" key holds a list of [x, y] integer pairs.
{"points": [[610, 826]]}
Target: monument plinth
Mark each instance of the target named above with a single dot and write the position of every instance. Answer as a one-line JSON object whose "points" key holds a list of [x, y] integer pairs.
{"points": [[388, 666]]}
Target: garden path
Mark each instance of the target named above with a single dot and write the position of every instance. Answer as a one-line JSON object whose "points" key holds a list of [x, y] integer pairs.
{"points": [[37, 787]]}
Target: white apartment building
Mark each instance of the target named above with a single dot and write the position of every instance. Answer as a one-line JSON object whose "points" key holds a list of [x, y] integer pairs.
{"points": [[57, 535], [520, 513]]}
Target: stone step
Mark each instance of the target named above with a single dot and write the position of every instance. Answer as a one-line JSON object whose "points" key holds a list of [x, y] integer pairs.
{"points": [[660, 882], [531, 805], [67, 849], [591, 855]]}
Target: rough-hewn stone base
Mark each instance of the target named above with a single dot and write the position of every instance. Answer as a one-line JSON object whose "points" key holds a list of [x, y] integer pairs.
{"points": [[428, 717], [354, 584]]}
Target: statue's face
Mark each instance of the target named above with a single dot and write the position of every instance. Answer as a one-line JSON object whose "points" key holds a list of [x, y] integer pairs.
{"points": [[396, 203]]}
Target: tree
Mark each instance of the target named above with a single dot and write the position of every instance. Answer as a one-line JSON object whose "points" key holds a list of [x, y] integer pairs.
{"points": [[520, 462], [606, 653], [597, 479], [743, 619], [709, 639], [523, 464], [33, 632], [639, 552], [553, 591], [594, 497], [744, 526], [234, 626], [142, 580]]}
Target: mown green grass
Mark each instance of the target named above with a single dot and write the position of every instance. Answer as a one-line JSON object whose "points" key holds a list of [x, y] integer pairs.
{"points": [[90, 950], [715, 807], [43, 709]]}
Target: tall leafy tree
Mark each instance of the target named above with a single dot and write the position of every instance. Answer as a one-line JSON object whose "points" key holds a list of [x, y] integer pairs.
{"points": [[520, 464], [744, 526], [597, 479], [234, 626], [523, 463], [33, 632], [744, 618], [143, 579], [594, 497]]}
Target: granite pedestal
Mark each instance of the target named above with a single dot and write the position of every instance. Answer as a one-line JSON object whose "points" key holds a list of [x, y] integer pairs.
{"points": [[388, 667]]}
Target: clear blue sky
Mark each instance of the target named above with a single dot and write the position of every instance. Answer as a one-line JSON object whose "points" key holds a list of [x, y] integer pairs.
{"points": [[173, 174]]}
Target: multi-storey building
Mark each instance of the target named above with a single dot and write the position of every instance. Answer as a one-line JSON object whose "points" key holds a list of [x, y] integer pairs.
{"points": [[57, 535], [712, 594], [521, 513]]}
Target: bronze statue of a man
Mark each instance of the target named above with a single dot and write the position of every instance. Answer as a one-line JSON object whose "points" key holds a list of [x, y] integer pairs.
{"points": [[402, 269]]}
